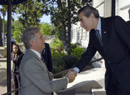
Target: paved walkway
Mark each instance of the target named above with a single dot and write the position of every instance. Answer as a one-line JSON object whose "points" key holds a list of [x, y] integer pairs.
{"points": [[3, 76], [3, 72]]}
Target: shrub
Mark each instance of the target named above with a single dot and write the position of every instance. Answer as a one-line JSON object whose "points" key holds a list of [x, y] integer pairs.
{"points": [[56, 43], [78, 51], [57, 53], [73, 46], [58, 66], [70, 61]]}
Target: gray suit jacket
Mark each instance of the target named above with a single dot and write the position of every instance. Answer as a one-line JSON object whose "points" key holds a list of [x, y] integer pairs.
{"points": [[35, 78]]}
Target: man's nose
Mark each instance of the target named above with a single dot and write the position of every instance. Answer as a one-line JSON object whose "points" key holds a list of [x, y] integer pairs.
{"points": [[44, 38], [81, 24]]}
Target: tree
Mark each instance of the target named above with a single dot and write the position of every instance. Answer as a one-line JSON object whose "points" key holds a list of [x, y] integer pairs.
{"points": [[3, 10], [31, 11], [0, 31], [46, 29], [17, 24], [17, 34], [65, 14]]}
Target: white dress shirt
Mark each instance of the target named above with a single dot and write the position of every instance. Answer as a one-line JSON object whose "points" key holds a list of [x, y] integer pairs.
{"points": [[37, 53]]}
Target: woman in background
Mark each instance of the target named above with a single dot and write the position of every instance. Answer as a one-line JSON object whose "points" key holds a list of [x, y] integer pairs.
{"points": [[16, 58]]}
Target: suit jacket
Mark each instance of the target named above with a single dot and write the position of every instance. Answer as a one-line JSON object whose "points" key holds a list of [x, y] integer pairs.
{"points": [[35, 78], [115, 49], [46, 54]]}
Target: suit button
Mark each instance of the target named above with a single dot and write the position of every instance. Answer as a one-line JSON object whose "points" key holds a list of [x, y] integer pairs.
{"points": [[108, 61]]}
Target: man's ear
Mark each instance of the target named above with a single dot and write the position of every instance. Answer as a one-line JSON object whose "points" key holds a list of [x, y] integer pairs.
{"points": [[32, 43]]}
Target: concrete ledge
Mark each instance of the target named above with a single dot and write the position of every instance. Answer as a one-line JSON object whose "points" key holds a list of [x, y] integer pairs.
{"points": [[83, 94], [3, 51], [84, 82], [99, 91]]}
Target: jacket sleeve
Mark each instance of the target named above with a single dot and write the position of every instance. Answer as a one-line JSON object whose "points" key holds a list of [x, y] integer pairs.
{"points": [[87, 55], [39, 77]]}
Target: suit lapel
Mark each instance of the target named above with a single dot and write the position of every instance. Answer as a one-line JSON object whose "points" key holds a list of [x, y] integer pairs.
{"points": [[40, 61], [104, 34]]}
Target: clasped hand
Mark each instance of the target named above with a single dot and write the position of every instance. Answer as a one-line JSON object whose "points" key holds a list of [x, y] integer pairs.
{"points": [[71, 75]]}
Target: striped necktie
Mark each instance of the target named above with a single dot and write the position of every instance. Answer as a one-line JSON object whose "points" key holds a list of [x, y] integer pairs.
{"points": [[99, 36]]}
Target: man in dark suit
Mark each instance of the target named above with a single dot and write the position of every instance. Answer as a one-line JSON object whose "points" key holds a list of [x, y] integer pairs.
{"points": [[111, 38], [35, 77], [47, 57]]}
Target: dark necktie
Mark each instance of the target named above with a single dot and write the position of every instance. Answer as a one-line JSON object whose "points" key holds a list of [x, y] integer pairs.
{"points": [[98, 36], [42, 59]]}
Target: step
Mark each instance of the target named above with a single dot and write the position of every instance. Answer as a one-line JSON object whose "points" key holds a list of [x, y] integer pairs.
{"points": [[83, 94], [99, 91]]}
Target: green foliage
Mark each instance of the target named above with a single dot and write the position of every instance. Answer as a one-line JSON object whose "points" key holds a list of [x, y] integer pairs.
{"points": [[73, 46], [46, 29], [31, 11], [78, 51], [70, 61], [56, 43], [58, 34], [57, 52], [17, 35], [58, 64], [17, 24]]}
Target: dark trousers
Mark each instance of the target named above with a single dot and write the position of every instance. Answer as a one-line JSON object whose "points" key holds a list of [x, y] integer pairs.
{"points": [[17, 83], [114, 87]]}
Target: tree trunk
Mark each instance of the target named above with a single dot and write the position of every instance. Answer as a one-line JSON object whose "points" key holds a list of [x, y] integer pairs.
{"points": [[0, 31], [69, 27], [64, 38]]}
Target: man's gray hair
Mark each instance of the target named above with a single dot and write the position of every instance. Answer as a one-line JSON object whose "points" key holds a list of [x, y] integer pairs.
{"points": [[29, 35], [88, 10]]}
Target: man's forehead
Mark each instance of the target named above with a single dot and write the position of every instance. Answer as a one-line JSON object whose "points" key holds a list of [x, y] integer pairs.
{"points": [[80, 16], [38, 33]]}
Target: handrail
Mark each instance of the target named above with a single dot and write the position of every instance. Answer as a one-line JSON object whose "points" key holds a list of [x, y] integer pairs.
{"points": [[12, 91], [53, 76]]}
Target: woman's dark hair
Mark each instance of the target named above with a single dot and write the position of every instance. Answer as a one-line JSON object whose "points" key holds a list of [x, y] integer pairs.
{"points": [[19, 51]]}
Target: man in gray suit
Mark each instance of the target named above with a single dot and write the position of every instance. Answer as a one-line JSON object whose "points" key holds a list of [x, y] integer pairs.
{"points": [[35, 77]]}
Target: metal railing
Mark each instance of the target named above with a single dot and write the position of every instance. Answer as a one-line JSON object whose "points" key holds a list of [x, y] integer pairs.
{"points": [[53, 76]]}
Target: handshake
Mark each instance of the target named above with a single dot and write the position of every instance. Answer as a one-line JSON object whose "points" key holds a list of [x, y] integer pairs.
{"points": [[71, 75]]}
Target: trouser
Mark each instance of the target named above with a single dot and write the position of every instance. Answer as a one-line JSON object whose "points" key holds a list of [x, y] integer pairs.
{"points": [[17, 83], [114, 87]]}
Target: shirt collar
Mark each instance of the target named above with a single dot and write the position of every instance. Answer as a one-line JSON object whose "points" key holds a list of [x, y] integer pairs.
{"points": [[99, 24], [37, 53]]}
